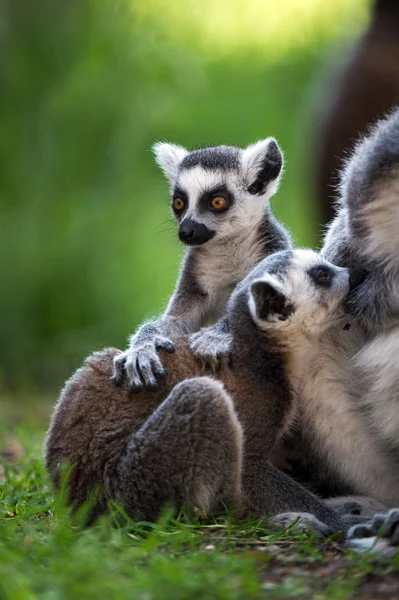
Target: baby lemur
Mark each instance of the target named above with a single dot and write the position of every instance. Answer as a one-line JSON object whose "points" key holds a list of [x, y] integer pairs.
{"points": [[220, 199], [195, 440]]}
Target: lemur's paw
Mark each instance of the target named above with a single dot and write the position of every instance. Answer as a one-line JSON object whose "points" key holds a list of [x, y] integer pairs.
{"points": [[211, 347], [301, 521], [385, 526], [141, 364]]}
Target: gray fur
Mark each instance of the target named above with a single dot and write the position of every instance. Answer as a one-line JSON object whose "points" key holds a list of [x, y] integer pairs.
{"points": [[242, 236], [364, 234], [197, 441], [349, 421]]}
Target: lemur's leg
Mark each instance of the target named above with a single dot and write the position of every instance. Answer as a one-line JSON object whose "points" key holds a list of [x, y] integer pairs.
{"points": [[188, 453]]}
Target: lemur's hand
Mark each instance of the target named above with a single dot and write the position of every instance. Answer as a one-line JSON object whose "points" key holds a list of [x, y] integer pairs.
{"points": [[211, 345], [141, 364]]}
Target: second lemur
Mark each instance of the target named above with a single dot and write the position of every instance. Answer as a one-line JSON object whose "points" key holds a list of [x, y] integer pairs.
{"points": [[220, 199]]}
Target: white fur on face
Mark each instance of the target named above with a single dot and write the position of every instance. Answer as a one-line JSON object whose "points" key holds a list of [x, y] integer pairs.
{"points": [[245, 213]]}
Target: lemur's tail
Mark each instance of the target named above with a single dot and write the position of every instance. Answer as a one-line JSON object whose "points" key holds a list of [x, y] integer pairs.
{"points": [[370, 190]]}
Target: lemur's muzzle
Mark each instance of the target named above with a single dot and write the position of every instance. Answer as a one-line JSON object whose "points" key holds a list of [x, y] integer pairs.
{"points": [[356, 277], [193, 233]]}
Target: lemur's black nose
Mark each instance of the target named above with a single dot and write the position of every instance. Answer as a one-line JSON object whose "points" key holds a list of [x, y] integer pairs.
{"points": [[193, 233], [185, 233], [356, 277]]}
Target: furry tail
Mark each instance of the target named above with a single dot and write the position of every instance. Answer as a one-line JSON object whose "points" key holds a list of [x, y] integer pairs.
{"points": [[370, 192]]}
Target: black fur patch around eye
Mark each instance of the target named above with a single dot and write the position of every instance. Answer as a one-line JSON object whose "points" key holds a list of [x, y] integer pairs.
{"points": [[221, 190], [269, 169], [179, 193], [322, 275]]}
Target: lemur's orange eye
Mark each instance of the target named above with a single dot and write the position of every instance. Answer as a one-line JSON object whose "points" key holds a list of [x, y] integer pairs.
{"points": [[178, 204], [322, 277], [218, 203]]}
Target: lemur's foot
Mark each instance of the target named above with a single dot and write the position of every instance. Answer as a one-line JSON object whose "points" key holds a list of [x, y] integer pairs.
{"points": [[301, 521], [211, 346], [385, 526], [141, 364]]}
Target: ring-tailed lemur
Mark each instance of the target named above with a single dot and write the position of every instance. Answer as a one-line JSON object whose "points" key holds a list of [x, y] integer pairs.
{"points": [[349, 403], [220, 198], [187, 442]]}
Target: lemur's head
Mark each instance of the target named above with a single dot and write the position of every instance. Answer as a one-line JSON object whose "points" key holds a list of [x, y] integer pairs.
{"points": [[299, 291], [221, 191]]}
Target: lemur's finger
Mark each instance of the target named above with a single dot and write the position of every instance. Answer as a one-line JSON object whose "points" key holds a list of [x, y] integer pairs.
{"points": [[391, 523], [118, 374], [132, 372], [378, 522], [360, 531], [144, 364], [157, 367], [164, 344]]}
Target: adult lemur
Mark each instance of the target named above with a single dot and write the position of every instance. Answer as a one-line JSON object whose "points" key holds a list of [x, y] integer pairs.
{"points": [[187, 442], [220, 199], [349, 405]]}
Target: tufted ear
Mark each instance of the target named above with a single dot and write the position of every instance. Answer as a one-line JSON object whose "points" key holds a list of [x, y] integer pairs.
{"points": [[268, 303], [262, 167], [169, 157]]}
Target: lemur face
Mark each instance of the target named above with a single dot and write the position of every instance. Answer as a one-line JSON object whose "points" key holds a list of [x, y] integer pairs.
{"points": [[219, 192], [300, 290]]}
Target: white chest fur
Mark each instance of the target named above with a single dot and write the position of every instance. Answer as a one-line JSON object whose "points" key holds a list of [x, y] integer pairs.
{"points": [[337, 428], [222, 265]]}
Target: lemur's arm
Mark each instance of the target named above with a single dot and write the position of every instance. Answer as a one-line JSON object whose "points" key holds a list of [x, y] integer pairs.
{"points": [[186, 312], [365, 232]]}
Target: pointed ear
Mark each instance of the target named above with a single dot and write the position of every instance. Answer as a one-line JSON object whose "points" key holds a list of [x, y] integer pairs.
{"points": [[268, 301], [262, 167], [169, 157]]}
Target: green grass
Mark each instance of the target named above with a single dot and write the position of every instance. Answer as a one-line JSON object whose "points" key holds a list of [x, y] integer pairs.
{"points": [[44, 554]]}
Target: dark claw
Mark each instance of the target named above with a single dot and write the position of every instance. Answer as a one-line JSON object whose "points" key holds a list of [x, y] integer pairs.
{"points": [[168, 346], [137, 386], [151, 385], [159, 373]]}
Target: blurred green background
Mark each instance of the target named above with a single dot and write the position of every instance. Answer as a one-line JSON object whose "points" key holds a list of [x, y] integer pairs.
{"points": [[88, 249]]}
